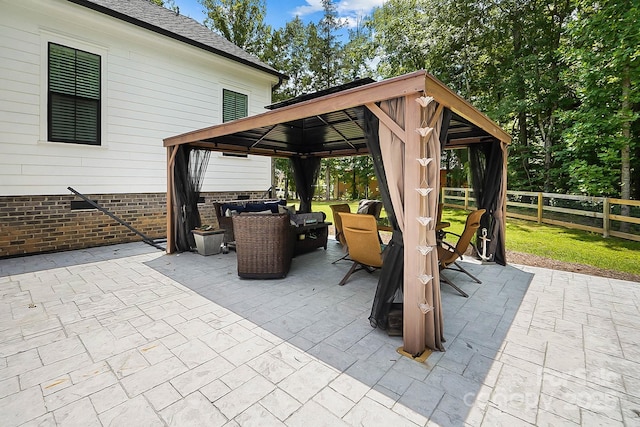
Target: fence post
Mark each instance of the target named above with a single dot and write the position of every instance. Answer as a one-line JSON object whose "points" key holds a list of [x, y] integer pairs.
{"points": [[466, 199], [442, 195], [540, 207], [606, 211]]}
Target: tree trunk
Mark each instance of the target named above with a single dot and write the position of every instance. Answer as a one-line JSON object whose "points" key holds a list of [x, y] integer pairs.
{"points": [[354, 195], [327, 180], [516, 33], [548, 145], [625, 154], [286, 187]]}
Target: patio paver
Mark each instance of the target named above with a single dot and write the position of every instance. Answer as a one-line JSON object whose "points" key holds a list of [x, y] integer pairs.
{"points": [[126, 335]]}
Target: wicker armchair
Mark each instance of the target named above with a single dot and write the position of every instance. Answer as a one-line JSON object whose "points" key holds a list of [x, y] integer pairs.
{"points": [[225, 223], [264, 245]]}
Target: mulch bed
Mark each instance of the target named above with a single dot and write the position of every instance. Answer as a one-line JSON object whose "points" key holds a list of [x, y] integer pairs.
{"points": [[538, 261]]}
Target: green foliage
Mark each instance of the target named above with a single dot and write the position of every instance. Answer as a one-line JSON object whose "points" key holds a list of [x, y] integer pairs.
{"points": [[239, 21], [326, 61], [289, 52], [284, 176], [169, 4], [604, 69], [562, 76]]}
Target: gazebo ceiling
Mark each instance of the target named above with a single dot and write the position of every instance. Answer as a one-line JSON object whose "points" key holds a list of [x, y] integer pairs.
{"points": [[330, 123]]}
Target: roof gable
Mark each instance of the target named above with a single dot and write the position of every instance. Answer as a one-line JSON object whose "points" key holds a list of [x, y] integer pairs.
{"points": [[163, 21]]}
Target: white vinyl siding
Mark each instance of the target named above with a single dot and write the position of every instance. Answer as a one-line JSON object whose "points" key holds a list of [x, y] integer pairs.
{"points": [[153, 87]]}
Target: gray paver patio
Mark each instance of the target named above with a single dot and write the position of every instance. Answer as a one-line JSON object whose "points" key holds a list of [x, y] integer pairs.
{"points": [[126, 335]]}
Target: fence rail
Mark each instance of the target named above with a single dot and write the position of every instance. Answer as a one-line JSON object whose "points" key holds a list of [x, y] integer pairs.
{"points": [[601, 215]]}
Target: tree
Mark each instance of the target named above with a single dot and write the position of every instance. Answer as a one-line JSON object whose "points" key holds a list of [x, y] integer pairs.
{"points": [[169, 4], [239, 21], [357, 54], [289, 52], [326, 62], [284, 170], [400, 37], [605, 70]]}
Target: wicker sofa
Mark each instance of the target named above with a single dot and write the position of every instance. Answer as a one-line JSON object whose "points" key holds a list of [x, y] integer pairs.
{"points": [[264, 245], [240, 206]]}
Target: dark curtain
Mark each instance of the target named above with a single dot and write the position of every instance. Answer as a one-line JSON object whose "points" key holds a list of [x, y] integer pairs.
{"points": [[486, 178], [305, 173], [444, 130], [190, 166], [391, 274]]}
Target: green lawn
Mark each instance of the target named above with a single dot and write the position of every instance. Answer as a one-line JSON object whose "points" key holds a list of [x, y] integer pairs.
{"points": [[549, 241]]}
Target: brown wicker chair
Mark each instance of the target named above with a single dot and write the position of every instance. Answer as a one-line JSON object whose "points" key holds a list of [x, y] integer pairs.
{"points": [[225, 223], [264, 245]]}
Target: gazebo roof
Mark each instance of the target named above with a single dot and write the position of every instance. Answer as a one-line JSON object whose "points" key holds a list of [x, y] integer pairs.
{"points": [[331, 123]]}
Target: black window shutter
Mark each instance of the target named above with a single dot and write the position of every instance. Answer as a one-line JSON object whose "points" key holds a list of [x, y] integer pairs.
{"points": [[74, 95], [234, 105]]}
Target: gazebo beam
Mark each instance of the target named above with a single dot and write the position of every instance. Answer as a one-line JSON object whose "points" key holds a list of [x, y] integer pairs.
{"points": [[458, 105], [350, 98], [387, 121]]}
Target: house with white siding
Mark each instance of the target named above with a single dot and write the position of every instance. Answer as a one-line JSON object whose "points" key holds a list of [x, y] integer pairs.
{"points": [[88, 90]]}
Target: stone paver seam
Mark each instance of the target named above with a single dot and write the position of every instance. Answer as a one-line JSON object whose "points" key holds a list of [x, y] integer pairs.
{"points": [[615, 327], [312, 399], [586, 381], [490, 401], [157, 412]]}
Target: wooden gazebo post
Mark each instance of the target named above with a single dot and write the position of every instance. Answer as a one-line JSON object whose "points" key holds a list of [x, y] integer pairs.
{"points": [[171, 156], [413, 319]]}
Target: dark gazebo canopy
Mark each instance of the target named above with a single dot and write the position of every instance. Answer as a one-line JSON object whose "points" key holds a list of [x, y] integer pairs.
{"points": [[329, 132], [403, 123]]}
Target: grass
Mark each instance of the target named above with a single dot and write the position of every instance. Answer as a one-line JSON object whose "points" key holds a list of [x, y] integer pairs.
{"points": [[559, 243]]}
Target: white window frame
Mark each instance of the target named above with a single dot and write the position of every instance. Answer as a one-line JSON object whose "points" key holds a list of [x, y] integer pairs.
{"points": [[47, 37], [235, 156]]}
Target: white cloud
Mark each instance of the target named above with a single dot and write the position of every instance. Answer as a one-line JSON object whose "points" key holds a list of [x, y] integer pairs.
{"points": [[311, 7], [349, 11]]}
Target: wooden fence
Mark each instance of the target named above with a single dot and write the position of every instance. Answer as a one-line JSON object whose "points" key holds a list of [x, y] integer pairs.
{"points": [[601, 215]]}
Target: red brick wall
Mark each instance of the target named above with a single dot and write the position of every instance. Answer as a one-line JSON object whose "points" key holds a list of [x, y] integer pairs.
{"points": [[36, 224]]}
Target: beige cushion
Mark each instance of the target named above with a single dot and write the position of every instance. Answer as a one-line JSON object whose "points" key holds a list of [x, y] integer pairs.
{"points": [[267, 212]]}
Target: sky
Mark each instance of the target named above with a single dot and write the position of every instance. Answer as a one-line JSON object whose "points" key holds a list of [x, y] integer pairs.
{"points": [[279, 12]]}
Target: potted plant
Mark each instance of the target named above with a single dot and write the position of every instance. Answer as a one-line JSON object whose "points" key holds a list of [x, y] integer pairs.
{"points": [[208, 239]]}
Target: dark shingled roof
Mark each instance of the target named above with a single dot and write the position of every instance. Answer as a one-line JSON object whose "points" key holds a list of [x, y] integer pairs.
{"points": [[158, 19]]}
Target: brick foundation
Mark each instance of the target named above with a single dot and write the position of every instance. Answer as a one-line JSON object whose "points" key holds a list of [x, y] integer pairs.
{"points": [[39, 224]]}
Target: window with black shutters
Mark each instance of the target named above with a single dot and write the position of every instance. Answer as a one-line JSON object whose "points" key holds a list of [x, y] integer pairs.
{"points": [[74, 96], [234, 105]]}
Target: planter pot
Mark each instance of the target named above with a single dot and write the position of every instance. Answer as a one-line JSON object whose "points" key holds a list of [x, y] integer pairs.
{"points": [[208, 242]]}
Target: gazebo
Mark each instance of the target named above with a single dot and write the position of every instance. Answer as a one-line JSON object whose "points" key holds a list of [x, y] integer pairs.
{"points": [[403, 123]]}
